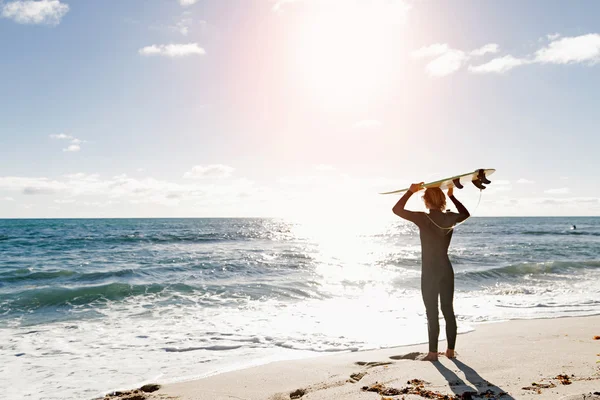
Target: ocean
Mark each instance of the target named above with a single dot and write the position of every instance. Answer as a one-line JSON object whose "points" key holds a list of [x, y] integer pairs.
{"points": [[91, 306]]}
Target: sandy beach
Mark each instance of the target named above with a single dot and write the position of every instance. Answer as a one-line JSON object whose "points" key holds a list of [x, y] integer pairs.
{"points": [[526, 359]]}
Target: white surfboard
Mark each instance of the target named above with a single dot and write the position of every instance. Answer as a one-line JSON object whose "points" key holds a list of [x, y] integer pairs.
{"points": [[478, 177]]}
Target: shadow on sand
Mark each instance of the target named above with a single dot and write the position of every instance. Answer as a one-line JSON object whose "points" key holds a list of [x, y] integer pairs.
{"points": [[459, 387]]}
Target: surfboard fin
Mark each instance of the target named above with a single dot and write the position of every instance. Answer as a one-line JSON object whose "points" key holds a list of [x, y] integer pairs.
{"points": [[478, 183], [457, 183], [481, 176]]}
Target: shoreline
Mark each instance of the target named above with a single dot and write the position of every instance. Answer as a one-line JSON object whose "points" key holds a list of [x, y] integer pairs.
{"points": [[316, 355], [532, 355]]}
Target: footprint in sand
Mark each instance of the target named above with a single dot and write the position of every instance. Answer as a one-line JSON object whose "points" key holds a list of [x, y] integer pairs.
{"points": [[372, 364], [356, 377], [409, 356]]}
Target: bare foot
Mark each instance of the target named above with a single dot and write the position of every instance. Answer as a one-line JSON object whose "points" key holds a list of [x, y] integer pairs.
{"points": [[430, 357], [450, 353]]}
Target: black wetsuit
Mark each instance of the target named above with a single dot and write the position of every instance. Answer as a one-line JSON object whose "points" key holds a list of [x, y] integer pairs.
{"points": [[437, 276]]}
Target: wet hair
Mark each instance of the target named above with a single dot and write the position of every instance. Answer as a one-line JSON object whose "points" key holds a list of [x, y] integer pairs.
{"points": [[435, 199]]}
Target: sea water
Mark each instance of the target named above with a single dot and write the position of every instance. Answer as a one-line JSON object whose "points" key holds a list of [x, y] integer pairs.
{"points": [[90, 306]]}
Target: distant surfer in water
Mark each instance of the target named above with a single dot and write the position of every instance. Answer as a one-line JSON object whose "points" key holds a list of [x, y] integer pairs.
{"points": [[437, 275]]}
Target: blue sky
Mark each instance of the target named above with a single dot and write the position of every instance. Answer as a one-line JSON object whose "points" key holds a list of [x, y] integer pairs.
{"points": [[293, 108]]}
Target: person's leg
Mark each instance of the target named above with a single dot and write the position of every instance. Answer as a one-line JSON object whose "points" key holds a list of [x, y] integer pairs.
{"points": [[446, 303], [430, 293]]}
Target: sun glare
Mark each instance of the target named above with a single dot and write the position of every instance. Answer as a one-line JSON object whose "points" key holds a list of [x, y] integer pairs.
{"points": [[344, 55]]}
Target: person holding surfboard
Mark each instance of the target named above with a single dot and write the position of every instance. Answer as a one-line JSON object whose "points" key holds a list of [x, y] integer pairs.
{"points": [[437, 275]]}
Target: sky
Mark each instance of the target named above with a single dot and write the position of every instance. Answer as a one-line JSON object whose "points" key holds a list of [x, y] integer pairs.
{"points": [[295, 108]]}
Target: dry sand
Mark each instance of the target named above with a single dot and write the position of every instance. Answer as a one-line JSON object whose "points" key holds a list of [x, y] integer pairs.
{"points": [[522, 359]]}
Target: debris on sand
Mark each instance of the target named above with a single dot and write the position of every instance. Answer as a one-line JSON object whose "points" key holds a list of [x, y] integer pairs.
{"points": [[537, 386], [296, 394], [137, 394], [564, 379], [382, 390], [417, 387], [150, 388], [416, 382], [596, 337], [128, 395]]}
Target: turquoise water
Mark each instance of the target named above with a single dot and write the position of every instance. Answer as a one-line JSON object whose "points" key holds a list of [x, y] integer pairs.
{"points": [[88, 306]]}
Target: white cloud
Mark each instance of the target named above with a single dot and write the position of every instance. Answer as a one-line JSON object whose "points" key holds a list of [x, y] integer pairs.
{"points": [[560, 50], [448, 60], [488, 48], [127, 196], [61, 136], [584, 48], [31, 190], [498, 65], [8, 199], [209, 171], [172, 50], [75, 142], [121, 188], [572, 201], [501, 182], [31, 186], [447, 63], [81, 175], [187, 3], [150, 50], [368, 124], [183, 28], [525, 181], [45, 12], [72, 148], [184, 24], [566, 50], [557, 191]]}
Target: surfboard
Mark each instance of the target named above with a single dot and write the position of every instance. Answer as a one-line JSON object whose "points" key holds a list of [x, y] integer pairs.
{"points": [[477, 177]]}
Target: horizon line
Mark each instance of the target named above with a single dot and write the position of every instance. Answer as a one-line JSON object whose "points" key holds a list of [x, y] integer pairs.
{"points": [[224, 217]]}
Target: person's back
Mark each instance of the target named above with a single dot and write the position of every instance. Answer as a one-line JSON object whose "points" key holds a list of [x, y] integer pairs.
{"points": [[436, 234]]}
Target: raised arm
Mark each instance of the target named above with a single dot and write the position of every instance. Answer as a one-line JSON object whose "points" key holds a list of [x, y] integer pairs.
{"points": [[399, 209], [463, 213]]}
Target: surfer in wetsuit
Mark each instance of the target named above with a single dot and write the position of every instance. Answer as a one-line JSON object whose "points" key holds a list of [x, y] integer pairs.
{"points": [[437, 275]]}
